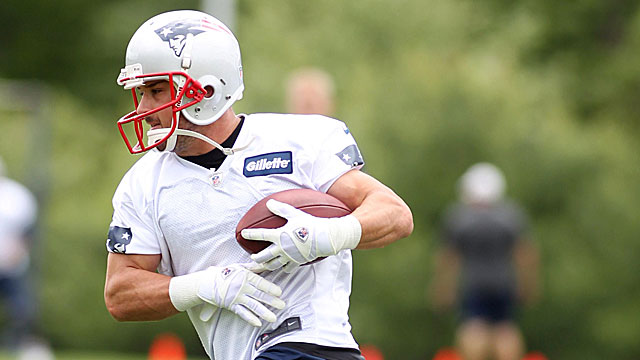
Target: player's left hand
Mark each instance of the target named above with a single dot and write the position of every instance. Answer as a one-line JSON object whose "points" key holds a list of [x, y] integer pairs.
{"points": [[303, 238], [207, 310]]}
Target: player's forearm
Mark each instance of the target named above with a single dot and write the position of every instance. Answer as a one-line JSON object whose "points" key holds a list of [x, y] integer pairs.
{"points": [[138, 295], [384, 218]]}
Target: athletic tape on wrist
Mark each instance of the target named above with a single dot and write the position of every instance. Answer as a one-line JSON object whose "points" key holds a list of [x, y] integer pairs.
{"points": [[347, 231], [183, 291]]}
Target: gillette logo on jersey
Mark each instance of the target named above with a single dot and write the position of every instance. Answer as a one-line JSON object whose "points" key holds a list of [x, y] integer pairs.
{"points": [[266, 164]]}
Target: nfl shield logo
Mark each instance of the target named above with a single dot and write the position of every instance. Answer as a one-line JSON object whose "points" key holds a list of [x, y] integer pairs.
{"points": [[226, 272], [302, 234], [216, 179]]}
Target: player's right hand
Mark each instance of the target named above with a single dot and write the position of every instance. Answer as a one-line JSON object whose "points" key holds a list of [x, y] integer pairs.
{"points": [[232, 287], [303, 238]]}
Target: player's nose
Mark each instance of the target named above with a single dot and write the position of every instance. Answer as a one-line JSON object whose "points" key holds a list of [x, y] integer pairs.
{"points": [[143, 105]]}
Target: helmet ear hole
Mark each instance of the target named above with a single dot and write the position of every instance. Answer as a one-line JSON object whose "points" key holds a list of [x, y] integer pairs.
{"points": [[210, 91]]}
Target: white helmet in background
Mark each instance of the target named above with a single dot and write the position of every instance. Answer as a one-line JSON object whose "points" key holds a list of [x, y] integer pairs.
{"points": [[199, 55], [482, 183]]}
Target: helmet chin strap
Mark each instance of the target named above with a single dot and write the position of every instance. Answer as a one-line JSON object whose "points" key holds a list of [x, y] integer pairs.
{"points": [[156, 135]]}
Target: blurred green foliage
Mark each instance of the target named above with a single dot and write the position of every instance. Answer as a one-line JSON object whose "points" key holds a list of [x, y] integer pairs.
{"points": [[546, 90]]}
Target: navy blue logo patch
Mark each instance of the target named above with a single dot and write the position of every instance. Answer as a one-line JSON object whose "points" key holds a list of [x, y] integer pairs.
{"points": [[118, 239], [351, 156], [302, 234], [175, 33], [266, 164], [287, 326]]}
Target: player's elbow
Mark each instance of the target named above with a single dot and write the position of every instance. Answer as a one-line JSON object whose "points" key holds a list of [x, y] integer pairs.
{"points": [[116, 314], [404, 222], [400, 225], [399, 220], [115, 308]]}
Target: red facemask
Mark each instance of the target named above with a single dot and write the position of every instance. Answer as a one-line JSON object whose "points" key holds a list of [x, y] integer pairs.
{"points": [[190, 90]]}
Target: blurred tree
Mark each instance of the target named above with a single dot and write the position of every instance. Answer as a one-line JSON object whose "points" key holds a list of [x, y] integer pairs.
{"points": [[594, 43], [74, 45]]}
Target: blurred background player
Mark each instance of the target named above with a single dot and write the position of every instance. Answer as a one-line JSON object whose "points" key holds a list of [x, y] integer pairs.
{"points": [[18, 212], [310, 91], [487, 264]]}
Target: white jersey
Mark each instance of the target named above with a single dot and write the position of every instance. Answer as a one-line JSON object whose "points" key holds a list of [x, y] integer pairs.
{"points": [[188, 214], [18, 211]]}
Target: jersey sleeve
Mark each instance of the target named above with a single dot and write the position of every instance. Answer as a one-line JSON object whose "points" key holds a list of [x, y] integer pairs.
{"points": [[337, 154], [132, 229]]}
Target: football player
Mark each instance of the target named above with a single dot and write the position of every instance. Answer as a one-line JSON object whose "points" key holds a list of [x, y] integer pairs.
{"points": [[171, 241], [310, 91], [487, 264], [18, 216]]}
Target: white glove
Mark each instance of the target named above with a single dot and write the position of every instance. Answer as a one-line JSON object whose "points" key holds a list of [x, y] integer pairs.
{"points": [[303, 238], [233, 287]]}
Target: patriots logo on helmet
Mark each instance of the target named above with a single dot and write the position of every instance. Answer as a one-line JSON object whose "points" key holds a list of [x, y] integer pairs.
{"points": [[175, 33], [302, 233]]}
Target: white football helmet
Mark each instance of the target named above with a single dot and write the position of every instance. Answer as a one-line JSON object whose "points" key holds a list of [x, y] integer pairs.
{"points": [[482, 183], [199, 55]]}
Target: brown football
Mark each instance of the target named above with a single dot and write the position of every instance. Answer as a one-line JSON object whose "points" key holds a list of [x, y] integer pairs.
{"points": [[310, 201]]}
